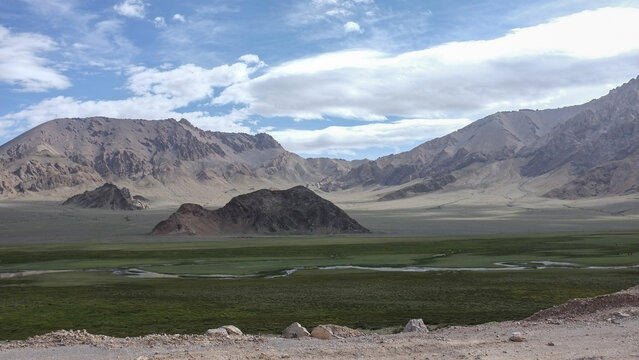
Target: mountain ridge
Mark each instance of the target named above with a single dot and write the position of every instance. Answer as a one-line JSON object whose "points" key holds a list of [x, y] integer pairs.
{"points": [[71, 152], [581, 137], [576, 151]]}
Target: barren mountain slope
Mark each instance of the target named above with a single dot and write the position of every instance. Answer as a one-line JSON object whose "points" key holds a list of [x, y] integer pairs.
{"points": [[164, 154], [595, 143]]}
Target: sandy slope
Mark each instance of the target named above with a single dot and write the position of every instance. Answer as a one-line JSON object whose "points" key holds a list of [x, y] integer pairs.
{"points": [[605, 327]]}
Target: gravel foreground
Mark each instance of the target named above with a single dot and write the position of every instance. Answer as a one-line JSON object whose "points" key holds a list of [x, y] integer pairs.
{"points": [[604, 327]]}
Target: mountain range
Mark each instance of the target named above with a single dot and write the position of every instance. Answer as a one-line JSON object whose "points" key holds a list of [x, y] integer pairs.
{"points": [[578, 151], [167, 158]]}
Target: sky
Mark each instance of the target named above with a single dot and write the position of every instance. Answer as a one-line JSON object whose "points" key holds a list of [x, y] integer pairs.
{"points": [[337, 78]]}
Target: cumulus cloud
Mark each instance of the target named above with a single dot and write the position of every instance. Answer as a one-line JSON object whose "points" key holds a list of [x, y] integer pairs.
{"points": [[179, 17], [157, 94], [138, 107], [352, 26], [131, 8], [346, 140], [566, 61], [159, 22], [187, 82], [22, 66]]}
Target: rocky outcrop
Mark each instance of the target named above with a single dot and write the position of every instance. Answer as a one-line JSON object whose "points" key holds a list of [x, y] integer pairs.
{"points": [[296, 210], [415, 325], [295, 331], [36, 175], [330, 332], [108, 196], [224, 331]]}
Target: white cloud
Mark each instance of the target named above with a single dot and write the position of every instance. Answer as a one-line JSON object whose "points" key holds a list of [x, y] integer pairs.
{"points": [[231, 122], [158, 94], [22, 66], [250, 59], [131, 8], [352, 26], [187, 82], [566, 61], [346, 140], [137, 107], [179, 17], [159, 22], [314, 11]]}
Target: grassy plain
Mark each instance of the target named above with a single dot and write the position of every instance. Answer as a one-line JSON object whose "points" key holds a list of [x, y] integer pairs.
{"points": [[91, 244], [117, 305]]}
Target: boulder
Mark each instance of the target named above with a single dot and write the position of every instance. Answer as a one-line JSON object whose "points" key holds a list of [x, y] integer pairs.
{"points": [[517, 337], [295, 331], [415, 325], [232, 330], [219, 332], [330, 331], [324, 333], [224, 331]]}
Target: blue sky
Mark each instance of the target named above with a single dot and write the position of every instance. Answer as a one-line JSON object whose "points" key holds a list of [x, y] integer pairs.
{"points": [[338, 78]]}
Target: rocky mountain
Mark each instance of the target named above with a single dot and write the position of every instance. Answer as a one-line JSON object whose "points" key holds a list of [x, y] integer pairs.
{"points": [[296, 210], [577, 151], [596, 144], [166, 157], [108, 196]]}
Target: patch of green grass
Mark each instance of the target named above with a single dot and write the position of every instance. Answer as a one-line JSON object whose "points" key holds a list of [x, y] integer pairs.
{"points": [[264, 254], [104, 303], [120, 306]]}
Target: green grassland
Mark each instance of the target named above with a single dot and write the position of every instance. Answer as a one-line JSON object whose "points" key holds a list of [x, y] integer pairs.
{"points": [[92, 297]]}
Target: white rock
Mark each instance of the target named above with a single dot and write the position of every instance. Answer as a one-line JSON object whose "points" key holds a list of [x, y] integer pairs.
{"points": [[517, 337], [324, 333], [295, 330], [219, 332], [232, 330], [415, 325]]}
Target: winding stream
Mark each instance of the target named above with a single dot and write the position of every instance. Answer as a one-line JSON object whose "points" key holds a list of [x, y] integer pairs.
{"points": [[500, 266]]}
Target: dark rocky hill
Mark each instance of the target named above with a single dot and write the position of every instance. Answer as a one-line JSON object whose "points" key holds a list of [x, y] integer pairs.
{"points": [[296, 210], [108, 196]]}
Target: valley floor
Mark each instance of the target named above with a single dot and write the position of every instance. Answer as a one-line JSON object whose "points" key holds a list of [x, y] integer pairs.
{"points": [[605, 327], [43, 236], [463, 212]]}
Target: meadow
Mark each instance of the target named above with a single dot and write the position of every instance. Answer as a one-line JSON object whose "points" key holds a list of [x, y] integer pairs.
{"points": [[87, 293]]}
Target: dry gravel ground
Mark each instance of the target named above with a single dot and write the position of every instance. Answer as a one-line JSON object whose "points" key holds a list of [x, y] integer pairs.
{"points": [[605, 327]]}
